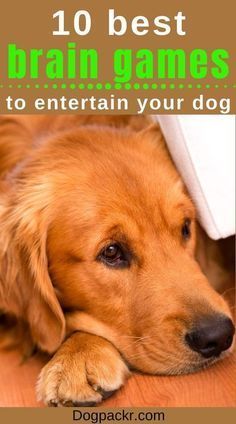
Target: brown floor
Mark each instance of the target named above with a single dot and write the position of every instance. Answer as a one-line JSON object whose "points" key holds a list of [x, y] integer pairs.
{"points": [[215, 386]]}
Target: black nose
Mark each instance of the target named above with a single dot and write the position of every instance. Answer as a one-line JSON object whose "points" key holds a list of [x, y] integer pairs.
{"points": [[211, 336]]}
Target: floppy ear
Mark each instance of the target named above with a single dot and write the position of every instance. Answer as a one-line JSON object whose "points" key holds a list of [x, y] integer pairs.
{"points": [[45, 315], [23, 259]]}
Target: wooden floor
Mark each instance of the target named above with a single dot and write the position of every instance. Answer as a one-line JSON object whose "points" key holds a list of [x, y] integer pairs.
{"points": [[215, 386]]}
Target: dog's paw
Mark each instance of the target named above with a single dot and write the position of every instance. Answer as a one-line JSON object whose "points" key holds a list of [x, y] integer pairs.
{"points": [[82, 377]]}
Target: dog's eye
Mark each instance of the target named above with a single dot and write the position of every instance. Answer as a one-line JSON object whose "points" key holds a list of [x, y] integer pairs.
{"points": [[114, 255], [186, 230]]}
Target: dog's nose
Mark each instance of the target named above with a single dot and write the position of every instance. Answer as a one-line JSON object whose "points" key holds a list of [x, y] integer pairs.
{"points": [[211, 336]]}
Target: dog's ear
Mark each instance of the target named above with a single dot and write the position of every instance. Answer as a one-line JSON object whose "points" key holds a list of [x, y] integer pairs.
{"points": [[23, 260], [45, 315], [153, 132], [153, 137]]}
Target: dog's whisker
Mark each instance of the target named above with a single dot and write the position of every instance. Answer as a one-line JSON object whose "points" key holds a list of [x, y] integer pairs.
{"points": [[137, 340], [166, 356], [227, 291]]}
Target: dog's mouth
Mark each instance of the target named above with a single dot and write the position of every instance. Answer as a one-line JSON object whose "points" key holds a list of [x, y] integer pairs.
{"points": [[206, 363], [193, 367], [182, 367], [150, 360]]}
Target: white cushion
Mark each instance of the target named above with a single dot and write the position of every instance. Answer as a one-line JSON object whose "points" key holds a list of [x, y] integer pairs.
{"points": [[203, 149]]}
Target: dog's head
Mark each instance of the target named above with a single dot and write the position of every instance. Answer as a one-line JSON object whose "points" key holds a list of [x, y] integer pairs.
{"points": [[105, 237]]}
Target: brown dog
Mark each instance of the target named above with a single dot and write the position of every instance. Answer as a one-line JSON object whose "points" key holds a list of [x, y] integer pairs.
{"points": [[97, 255]]}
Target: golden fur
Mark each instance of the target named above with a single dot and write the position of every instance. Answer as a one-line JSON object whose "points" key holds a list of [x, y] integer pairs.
{"points": [[69, 185]]}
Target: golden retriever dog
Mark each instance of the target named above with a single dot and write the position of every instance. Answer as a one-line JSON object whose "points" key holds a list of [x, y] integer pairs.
{"points": [[97, 255]]}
